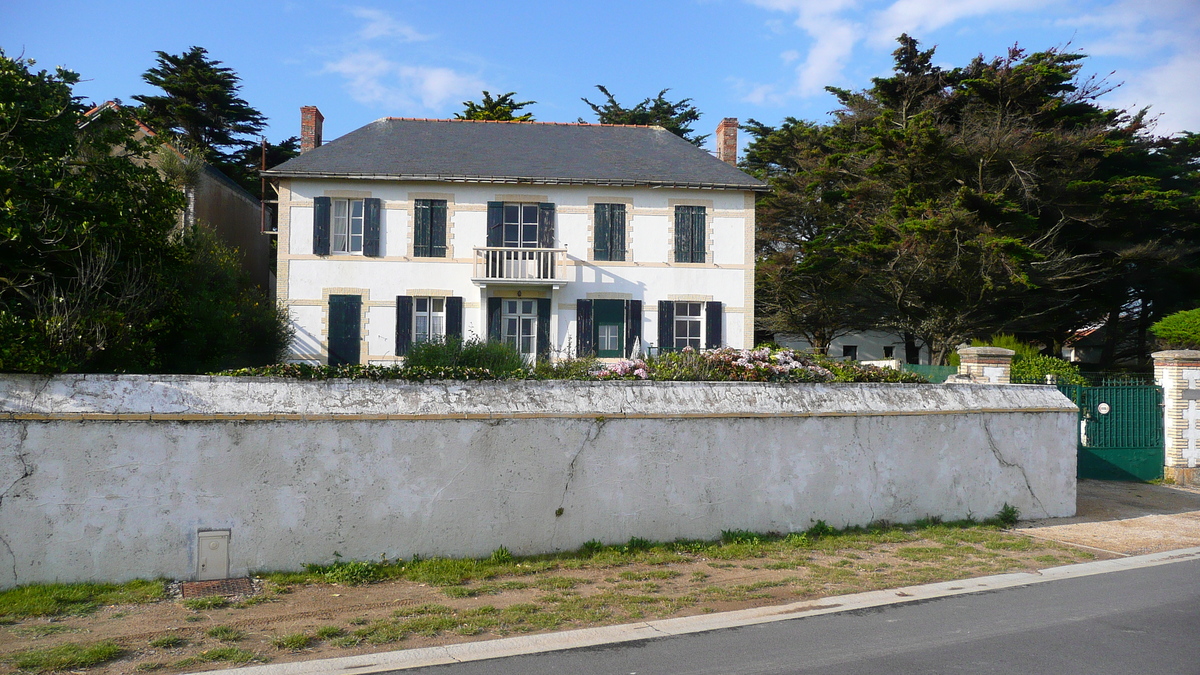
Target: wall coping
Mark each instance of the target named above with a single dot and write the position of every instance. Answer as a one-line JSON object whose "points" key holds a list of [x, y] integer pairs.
{"points": [[184, 397], [1174, 355], [985, 351]]}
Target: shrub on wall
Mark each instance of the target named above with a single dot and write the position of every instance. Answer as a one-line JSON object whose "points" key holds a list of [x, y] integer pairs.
{"points": [[475, 360], [1180, 330]]}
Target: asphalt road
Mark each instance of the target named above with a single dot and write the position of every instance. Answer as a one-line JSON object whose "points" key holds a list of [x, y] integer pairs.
{"points": [[1134, 621]]}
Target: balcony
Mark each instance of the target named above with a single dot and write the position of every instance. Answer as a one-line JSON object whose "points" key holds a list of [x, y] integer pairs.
{"points": [[529, 266]]}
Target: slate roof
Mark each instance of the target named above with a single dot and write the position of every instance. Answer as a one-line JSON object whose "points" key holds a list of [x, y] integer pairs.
{"points": [[517, 152]]}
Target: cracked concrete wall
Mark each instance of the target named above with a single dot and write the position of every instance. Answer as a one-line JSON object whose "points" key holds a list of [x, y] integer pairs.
{"points": [[110, 477]]}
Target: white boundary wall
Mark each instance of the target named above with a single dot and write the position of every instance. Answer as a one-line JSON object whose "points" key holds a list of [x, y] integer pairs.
{"points": [[111, 477]]}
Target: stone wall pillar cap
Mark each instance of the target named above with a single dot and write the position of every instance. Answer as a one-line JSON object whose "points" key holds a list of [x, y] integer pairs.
{"points": [[1177, 355], [987, 351]]}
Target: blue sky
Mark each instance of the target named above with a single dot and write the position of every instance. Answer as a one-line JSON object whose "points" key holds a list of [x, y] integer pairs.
{"points": [[762, 59]]}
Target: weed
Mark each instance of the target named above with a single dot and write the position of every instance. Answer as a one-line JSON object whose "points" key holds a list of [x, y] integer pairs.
{"points": [[637, 544], [422, 610], [649, 574], [818, 530], [501, 556], [346, 641], [70, 656], [740, 537], [460, 592], [193, 618], [256, 600], [168, 642], [148, 666], [228, 654], [699, 576], [329, 632], [294, 642], [495, 588], [1008, 515], [348, 572], [446, 571], [359, 621], [556, 583], [225, 633], [590, 548], [201, 604], [60, 599]]}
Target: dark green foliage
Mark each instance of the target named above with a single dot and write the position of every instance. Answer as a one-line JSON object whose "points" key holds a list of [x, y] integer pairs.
{"points": [[1008, 515], [500, 109], [200, 102], [1029, 365], [674, 116], [496, 357], [219, 319], [945, 204], [1180, 330], [83, 231]]}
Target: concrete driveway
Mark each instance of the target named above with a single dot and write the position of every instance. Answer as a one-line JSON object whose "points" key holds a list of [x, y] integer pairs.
{"points": [[1126, 518]]}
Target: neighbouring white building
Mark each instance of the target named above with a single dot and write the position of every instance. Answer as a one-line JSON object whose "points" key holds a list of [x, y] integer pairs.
{"points": [[560, 239]]}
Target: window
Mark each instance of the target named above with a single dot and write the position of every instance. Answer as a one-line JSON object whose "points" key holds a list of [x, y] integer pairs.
{"points": [[889, 352], [520, 226], [429, 319], [520, 324], [429, 228], [850, 352], [688, 328], [609, 232], [347, 224], [690, 234]]}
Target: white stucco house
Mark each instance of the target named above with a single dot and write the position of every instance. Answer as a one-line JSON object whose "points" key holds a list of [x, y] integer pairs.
{"points": [[560, 239]]}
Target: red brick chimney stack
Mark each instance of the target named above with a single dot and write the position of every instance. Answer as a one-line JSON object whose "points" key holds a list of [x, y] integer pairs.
{"points": [[311, 120], [727, 140]]}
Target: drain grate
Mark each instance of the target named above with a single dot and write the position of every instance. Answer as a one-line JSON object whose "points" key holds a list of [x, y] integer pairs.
{"points": [[204, 589]]}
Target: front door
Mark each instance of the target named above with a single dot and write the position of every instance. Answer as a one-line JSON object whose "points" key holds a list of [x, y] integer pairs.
{"points": [[520, 322], [345, 334]]}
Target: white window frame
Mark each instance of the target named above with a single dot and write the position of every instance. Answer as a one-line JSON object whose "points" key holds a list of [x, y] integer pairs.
{"points": [[690, 317], [346, 228], [519, 325], [522, 225], [434, 319]]}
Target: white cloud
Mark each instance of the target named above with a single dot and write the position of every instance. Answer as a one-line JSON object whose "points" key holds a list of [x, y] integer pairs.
{"points": [[380, 24], [924, 16], [373, 79], [833, 39]]}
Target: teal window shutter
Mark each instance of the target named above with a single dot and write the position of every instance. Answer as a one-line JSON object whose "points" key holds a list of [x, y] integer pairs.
{"points": [[600, 231], [437, 228], [495, 224], [422, 215], [683, 234], [545, 225], [699, 233], [372, 215], [321, 210], [616, 232]]}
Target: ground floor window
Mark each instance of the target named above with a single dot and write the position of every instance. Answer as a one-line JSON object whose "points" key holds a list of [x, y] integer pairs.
{"points": [[519, 322], [429, 319], [688, 327]]}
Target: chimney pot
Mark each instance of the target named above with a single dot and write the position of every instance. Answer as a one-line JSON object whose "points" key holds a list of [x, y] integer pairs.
{"points": [[311, 121], [727, 141]]}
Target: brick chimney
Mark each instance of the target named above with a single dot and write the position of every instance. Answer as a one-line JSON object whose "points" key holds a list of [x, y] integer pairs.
{"points": [[311, 120], [727, 140]]}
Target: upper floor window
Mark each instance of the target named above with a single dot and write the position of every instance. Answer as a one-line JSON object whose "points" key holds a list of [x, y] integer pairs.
{"points": [[609, 232], [429, 228], [347, 222], [347, 225], [520, 225], [690, 234]]}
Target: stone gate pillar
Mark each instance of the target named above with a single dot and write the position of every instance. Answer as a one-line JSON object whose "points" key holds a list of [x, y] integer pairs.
{"points": [[1178, 373], [992, 365]]}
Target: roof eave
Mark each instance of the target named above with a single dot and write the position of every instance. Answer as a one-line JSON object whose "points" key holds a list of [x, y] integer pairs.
{"points": [[534, 180]]}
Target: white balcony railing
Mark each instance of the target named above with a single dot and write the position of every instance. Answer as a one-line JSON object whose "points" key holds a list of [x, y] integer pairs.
{"points": [[519, 265]]}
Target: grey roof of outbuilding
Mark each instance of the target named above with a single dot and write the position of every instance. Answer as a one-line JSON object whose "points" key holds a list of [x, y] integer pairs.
{"points": [[517, 152]]}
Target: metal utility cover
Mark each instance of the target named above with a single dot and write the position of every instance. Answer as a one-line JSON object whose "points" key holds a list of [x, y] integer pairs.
{"points": [[212, 555]]}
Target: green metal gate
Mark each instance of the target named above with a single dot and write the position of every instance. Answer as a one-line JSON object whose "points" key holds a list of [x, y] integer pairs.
{"points": [[1120, 431]]}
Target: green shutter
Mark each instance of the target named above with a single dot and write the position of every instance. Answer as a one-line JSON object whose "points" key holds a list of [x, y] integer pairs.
{"points": [[600, 234], [683, 234], [344, 329], [545, 225], [321, 212], [699, 233], [421, 219], [616, 232], [404, 324], [437, 228], [495, 224], [372, 212]]}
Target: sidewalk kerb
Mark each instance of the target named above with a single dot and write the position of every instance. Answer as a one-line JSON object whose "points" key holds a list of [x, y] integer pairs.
{"points": [[645, 630]]}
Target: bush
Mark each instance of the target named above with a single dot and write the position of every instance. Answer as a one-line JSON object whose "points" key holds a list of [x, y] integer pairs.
{"points": [[1034, 369], [499, 358], [1180, 330]]}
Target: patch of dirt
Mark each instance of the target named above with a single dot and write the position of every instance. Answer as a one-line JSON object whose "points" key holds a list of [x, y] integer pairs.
{"points": [[589, 596], [1126, 518]]}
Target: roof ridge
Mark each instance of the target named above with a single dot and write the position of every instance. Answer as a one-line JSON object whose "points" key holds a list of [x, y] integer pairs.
{"points": [[553, 124]]}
